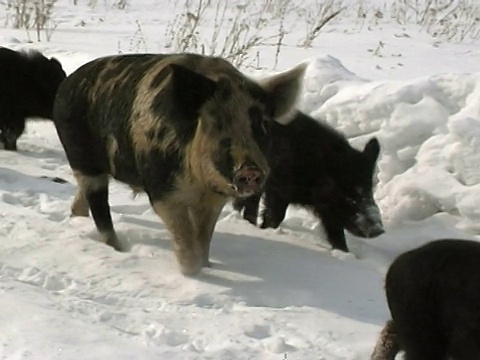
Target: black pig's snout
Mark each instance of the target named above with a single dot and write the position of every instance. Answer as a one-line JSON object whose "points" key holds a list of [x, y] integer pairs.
{"points": [[248, 180], [374, 231]]}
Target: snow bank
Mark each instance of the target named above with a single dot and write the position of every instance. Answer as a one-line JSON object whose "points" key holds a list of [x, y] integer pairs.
{"points": [[429, 129]]}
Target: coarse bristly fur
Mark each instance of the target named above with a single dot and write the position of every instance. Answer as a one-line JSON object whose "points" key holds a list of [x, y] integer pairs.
{"points": [[314, 166], [178, 127], [387, 346], [28, 83], [433, 293]]}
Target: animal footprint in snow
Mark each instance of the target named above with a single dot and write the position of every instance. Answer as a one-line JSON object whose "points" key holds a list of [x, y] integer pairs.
{"points": [[208, 301], [40, 278], [277, 345], [166, 336], [258, 331], [11, 199]]}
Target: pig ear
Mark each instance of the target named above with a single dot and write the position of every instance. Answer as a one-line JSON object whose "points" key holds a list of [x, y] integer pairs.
{"points": [[55, 61], [191, 89], [223, 89], [283, 91], [372, 149]]}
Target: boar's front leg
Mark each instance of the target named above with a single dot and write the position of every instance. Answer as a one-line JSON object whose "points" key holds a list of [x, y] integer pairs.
{"points": [[333, 229], [249, 206], [177, 218], [192, 224], [205, 216], [274, 212]]}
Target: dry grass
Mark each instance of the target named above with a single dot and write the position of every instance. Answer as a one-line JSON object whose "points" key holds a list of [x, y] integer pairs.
{"points": [[235, 33], [236, 30], [446, 20], [31, 14], [319, 16]]}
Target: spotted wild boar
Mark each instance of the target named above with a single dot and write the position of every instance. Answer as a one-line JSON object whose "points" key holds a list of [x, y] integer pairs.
{"points": [[177, 127]]}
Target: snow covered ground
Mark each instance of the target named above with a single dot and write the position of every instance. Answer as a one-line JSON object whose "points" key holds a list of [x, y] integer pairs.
{"points": [[271, 294]]}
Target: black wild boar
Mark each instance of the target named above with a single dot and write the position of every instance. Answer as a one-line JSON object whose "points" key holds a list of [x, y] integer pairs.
{"points": [[179, 128], [28, 83], [314, 166], [433, 293]]}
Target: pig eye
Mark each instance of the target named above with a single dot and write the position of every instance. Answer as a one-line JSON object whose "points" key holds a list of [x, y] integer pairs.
{"points": [[256, 119], [351, 202]]}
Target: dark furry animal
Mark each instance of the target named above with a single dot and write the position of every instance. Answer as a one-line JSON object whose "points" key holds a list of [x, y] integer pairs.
{"points": [[178, 127], [28, 83], [312, 165], [433, 293]]}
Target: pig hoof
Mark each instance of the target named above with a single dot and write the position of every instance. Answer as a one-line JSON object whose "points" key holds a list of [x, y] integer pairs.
{"points": [[191, 267], [112, 240], [207, 263], [117, 245]]}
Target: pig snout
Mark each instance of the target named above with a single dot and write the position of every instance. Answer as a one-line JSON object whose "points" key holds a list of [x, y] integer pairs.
{"points": [[248, 180], [369, 223]]}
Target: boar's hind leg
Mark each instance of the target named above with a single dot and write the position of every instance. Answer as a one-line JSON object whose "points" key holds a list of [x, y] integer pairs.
{"points": [[80, 204], [12, 129], [387, 346], [93, 192]]}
